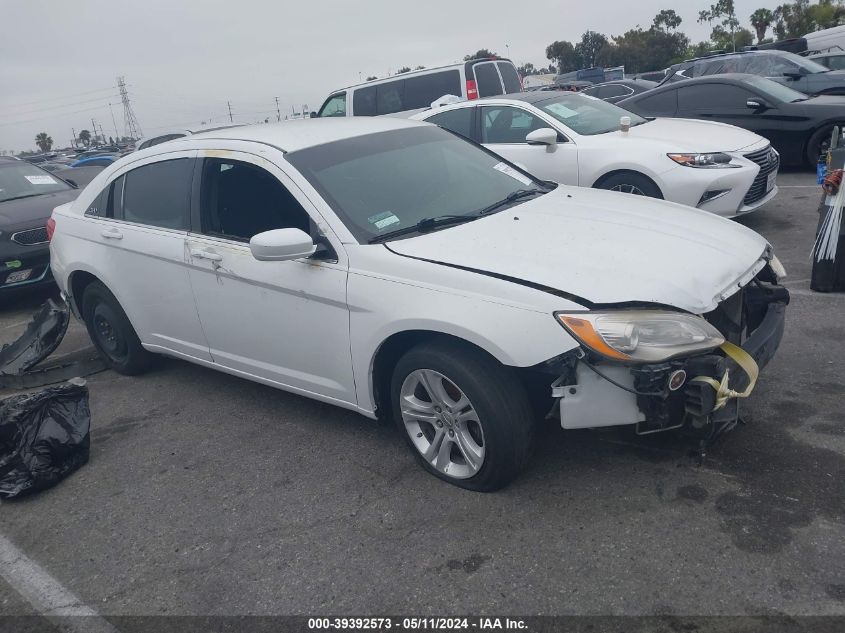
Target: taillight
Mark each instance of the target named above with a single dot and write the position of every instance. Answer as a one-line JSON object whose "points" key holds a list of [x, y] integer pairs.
{"points": [[51, 228], [472, 90]]}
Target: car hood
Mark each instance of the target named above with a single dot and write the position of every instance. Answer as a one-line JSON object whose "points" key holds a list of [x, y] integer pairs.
{"points": [[601, 247], [32, 212], [689, 135]]}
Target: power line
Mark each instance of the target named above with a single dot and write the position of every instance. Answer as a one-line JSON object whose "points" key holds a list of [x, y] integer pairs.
{"points": [[65, 105], [52, 116], [81, 94]]}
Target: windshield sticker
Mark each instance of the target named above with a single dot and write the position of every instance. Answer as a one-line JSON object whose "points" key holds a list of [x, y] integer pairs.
{"points": [[41, 180], [561, 110], [383, 220], [510, 171]]}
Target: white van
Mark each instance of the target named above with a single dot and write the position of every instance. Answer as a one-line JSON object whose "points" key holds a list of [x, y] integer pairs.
{"points": [[414, 91], [826, 40]]}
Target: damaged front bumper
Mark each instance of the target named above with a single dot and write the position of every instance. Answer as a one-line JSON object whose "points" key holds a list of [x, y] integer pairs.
{"points": [[662, 396]]}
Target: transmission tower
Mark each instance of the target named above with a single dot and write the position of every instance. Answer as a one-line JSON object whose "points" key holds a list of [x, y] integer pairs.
{"points": [[132, 128]]}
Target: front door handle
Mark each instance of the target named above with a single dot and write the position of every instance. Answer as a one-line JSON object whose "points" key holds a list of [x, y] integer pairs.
{"points": [[111, 234], [197, 253]]}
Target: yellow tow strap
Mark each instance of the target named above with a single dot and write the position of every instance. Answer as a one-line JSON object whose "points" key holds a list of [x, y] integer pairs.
{"points": [[723, 390]]}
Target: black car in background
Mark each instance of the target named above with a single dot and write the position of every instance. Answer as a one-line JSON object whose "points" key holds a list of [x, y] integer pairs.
{"points": [[789, 69], [28, 195], [798, 126], [614, 91]]}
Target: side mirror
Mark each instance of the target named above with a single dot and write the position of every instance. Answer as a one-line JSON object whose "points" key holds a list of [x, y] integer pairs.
{"points": [[756, 104], [793, 76], [543, 136], [281, 245]]}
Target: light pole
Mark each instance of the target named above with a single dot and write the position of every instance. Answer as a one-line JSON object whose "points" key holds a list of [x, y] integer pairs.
{"points": [[508, 48]]}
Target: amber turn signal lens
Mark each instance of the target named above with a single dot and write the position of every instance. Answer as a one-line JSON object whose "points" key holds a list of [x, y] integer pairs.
{"points": [[583, 330]]}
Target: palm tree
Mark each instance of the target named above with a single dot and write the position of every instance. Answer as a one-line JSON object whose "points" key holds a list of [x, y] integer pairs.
{"points": [[44, 142], [761, 20], [85, 137]]}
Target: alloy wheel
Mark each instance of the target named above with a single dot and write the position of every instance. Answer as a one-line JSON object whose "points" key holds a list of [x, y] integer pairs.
{"points": [[442, 423], [632, 189]]}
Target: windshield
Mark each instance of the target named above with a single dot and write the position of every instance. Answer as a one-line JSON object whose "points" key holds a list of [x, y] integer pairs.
{"points": [[587, 115], [379, 183], [775, 90], [19, 179]]}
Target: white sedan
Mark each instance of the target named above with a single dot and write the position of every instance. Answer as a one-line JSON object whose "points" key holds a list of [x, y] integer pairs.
{"points": [[579, 140], [397, 270]]}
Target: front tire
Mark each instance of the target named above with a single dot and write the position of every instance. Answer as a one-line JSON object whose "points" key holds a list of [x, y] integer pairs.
{"points": [[465, 416], [632, 183], [818, 143], [112, 333]]}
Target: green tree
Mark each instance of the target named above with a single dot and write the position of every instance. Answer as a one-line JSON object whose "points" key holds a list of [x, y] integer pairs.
{"points": [[526, 69], [419, 68], [403, 70], [761, 20], [724, 40], [588, 48], [794, 19], [371, 78], [44, 141], [563, 54], [85, 137], [666, 20], [479, 54], [724, 13]]}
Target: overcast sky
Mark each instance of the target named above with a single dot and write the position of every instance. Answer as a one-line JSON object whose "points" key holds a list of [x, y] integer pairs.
{"points": [[184, 59]]}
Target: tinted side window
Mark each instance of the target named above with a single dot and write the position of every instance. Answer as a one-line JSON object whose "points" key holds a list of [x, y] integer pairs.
{"points": [[458, 121], [364, 101], [509, 77], [390, 97], [239, 200], [421, 91], [487, 79], [507, 125], [661, 104], [162, 139], [836, 63], [712, 97], [158, 194], [334, 106]]}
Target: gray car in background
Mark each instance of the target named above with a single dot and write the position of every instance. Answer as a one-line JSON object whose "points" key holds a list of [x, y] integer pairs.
{"points": [[794, 71]]}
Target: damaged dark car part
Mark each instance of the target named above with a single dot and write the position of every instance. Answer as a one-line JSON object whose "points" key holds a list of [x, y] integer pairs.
{"points": [[44, 437], [40, 339]]}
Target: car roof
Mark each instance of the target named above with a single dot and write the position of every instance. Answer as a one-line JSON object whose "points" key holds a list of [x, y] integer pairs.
{"points": [[768, 51], [290, 136], [730, 78], [535, 96]]}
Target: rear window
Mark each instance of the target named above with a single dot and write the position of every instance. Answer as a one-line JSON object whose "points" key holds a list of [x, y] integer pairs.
{"points": [[421, 91], [509, 77], [487, 80]]}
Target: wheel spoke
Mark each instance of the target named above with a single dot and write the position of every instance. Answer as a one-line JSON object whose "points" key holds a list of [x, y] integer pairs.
{"points": [[444, 455], [472, 452], [433, 449], [417, 409], [433, 384]]}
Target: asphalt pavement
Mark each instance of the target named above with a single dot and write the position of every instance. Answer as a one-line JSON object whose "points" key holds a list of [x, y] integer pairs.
{"points": [[208, 495]]}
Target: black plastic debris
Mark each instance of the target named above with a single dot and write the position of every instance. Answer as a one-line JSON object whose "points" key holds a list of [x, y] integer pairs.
{"points": [[42, 336], [44, 437], [40, 339]]}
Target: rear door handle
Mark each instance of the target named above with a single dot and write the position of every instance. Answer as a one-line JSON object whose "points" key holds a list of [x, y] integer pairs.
{"points": [[197, 253], [111, 234]]}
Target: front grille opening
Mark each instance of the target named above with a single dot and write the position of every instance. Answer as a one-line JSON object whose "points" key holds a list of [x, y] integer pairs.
{"points": [[769, 162], [31, 236]]}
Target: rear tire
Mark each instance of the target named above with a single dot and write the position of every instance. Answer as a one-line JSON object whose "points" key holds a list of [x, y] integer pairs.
{"points": [[112, 333], [631, 183], [818, 143], [475, 430]]}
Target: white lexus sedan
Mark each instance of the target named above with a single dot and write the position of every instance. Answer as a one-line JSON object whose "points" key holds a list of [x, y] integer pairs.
{"points": [[576, 139], [392, 268]]}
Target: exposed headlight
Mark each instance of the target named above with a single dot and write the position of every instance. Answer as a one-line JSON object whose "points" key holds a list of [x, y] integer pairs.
{"points": [[716, 160], [777, 268], [645, 336]]}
